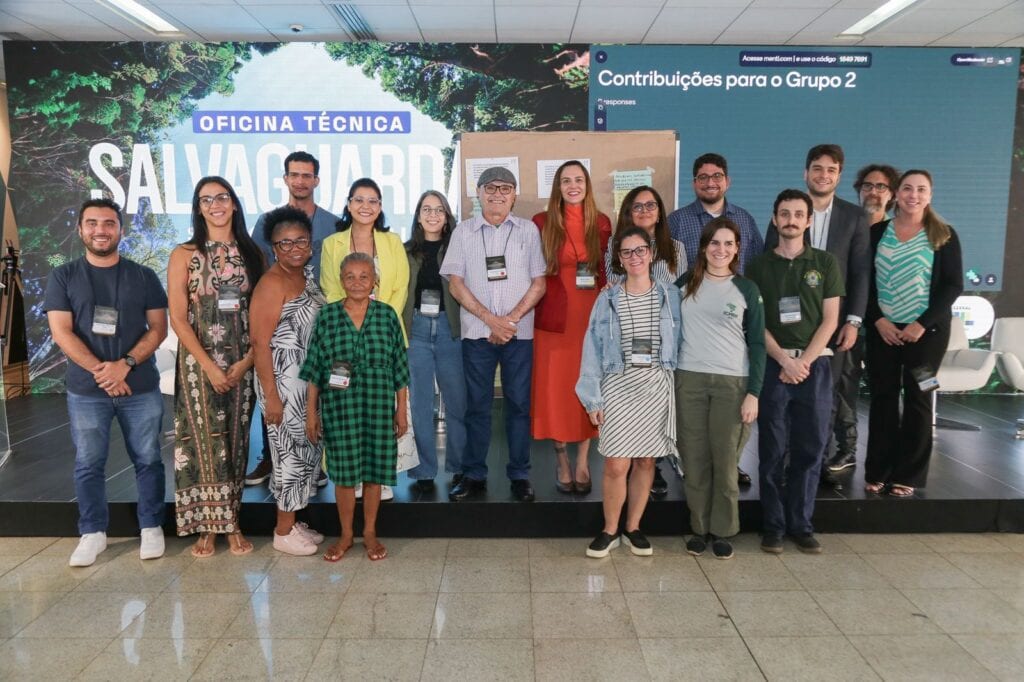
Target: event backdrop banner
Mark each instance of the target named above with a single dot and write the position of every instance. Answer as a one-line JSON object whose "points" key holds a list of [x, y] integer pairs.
{"points": [[950, 111], [142, 122]]}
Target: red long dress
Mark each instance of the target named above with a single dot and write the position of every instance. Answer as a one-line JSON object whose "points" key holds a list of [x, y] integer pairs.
{"points": [[555, 411]]}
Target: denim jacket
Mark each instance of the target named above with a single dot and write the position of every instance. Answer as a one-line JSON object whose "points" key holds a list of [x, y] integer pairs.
{"points": [[602, 346]]}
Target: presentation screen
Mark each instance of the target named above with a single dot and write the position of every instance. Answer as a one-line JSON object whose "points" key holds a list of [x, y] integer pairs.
{"points": [[950, 111]]}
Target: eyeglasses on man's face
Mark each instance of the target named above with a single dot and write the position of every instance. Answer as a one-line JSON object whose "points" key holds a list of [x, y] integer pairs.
{"points": [[498, 189], [879, 187], [705, 178]]}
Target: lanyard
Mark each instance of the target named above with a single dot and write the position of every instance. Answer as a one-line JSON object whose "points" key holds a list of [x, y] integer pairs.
{"points": [[352, 244], [654, 308], [504, 248], [117, 283], [212, 255]]}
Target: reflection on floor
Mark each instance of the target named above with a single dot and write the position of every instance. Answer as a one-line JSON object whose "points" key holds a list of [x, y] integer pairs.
{"points": [[888, 607]]}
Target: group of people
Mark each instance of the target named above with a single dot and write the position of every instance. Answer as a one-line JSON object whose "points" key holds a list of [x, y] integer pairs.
{"points": [[659, 336]]}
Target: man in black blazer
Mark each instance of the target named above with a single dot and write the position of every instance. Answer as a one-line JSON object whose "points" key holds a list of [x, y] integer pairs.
{"points": [[841, 228]]}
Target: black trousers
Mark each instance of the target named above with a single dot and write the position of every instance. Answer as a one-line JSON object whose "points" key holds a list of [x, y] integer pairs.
{"points": [[846, 372], [900, 445]]}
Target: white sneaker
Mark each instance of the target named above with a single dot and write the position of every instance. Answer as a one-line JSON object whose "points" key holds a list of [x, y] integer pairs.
{"points": [[386, 493], [152, 543], [89, 546], [295, 543], [311, 535]]}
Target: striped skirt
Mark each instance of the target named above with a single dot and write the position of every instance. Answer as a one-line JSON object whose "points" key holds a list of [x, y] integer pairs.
{"points": [[639, 414]]}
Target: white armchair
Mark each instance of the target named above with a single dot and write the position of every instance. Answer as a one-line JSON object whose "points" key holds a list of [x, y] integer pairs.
{"points": [[1008, 341], [962, 369]]}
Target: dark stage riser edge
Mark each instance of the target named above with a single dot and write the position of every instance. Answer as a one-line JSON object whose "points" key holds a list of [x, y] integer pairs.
{"points": [[581, 519]]}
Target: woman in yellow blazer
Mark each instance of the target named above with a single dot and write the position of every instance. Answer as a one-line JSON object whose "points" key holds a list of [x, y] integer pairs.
{"points": [[364, 230]]}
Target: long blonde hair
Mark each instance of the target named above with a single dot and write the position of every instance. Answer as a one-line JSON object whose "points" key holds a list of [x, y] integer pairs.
{"points": [[553, 236], [935, 227]]}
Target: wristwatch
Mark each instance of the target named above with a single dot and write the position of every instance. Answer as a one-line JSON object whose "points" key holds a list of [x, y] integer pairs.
{"points": [[854, 323], [130, 361]]}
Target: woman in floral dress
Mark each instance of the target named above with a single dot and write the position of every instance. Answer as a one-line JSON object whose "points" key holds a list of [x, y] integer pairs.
{"points": [[209, 281]]}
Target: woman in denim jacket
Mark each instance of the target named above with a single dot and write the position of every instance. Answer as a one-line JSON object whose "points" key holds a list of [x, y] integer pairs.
{"points": [[625, 384]]}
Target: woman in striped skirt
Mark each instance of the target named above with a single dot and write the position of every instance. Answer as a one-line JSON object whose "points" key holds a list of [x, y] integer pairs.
{"points": [[625, 385]]}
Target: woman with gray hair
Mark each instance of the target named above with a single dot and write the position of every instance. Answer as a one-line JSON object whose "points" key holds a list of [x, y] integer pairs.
{"points": [[357, 370]]}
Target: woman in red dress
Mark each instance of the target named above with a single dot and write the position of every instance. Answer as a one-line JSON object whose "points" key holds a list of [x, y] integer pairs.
{"points": [[574, 236]]}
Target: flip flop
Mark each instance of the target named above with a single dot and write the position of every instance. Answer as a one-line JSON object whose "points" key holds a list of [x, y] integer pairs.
{"points": [[241, 546], [203, 548], [874, 488], [376, 552], [897, 490], [333, 555]]}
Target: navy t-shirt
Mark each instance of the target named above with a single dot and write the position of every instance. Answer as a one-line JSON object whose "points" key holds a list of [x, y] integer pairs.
{"points": [[132, 289]]}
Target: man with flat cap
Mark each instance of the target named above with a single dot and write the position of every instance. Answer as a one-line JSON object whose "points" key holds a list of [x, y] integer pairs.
{"points": [[495, 269]]}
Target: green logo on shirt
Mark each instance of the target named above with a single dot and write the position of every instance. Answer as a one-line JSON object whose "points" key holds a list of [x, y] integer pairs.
{"points": [[812, 278], [730, 310]]}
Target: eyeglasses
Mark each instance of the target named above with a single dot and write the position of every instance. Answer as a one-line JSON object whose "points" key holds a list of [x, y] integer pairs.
{"points": [[638, 252], [296, 176], [505, 190], [428, 211], [649, 207], [877, 186], [219, 199], [359, 201], [286, 245], [703, 178]]}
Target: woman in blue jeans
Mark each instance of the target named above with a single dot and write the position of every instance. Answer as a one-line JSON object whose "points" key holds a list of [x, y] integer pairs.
{"points": [[431, 317]]}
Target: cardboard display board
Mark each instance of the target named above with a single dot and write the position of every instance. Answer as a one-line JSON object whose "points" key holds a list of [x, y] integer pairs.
{"points": [[618, 161]]}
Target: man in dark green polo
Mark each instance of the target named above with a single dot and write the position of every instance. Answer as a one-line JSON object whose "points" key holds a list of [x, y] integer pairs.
{"points": [[801, 287]]}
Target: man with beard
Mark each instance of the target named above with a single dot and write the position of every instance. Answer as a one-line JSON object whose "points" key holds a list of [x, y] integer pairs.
{"points": [[841, 228], [109, 315], [301, 177], [710, 183], [801, 287], [876, 186]]}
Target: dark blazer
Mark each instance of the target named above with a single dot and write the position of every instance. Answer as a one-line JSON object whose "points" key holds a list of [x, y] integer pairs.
{"points": [[947, 282], [848, 242], [451, 306]]}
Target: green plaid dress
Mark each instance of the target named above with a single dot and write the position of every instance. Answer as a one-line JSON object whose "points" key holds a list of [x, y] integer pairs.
{"points": [[358, 421]]}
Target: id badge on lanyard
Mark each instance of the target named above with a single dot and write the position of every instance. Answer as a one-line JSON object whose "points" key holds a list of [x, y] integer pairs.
{"points": [[229, 298], [341, 375], [789, 309], [585, 279], [104, 320], [430, 302], [642, 353], [496, 270]]}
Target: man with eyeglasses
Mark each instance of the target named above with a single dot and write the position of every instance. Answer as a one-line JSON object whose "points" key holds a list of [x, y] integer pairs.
{"points": [[841, 228], [710, 183], [801, 287], [875, 185], [495, 269], [301, 177]]}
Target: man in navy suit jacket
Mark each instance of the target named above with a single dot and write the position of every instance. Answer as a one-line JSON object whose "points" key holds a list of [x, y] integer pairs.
{"points": [[841, 228]]}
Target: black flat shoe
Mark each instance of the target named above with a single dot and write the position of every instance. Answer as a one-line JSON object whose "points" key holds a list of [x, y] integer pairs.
{"points": [[659, 486], [566, 488], [742, 477], [467, 489], [522, 490]]}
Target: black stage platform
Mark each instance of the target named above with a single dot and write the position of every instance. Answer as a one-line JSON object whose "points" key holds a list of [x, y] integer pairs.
{"points": [[976, 484]]}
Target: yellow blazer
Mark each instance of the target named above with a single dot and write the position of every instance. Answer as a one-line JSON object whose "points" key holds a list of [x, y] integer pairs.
{"points": [[394, 269]]}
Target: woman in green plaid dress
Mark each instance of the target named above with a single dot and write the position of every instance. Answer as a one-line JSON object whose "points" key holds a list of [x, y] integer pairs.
{"points": [[356, 367]]}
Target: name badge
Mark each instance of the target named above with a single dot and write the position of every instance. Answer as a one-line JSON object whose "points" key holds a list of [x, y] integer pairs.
{"points": [[229, 298], [430, 302], [641, 354], [925, 378], [585, 279], [104, 320], [496, 269], [789, 309], [341, 376]]}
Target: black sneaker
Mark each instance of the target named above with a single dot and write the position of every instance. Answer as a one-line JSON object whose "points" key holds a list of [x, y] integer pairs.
{"points": [[659, 486], [841, 461], [425, 485], [721, 548], [637, 542], [696, 545], [771, 544], [602, 545], [321, 478], [807, 544], [261, 473]]}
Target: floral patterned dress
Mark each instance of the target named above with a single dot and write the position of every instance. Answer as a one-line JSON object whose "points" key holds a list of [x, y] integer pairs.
{"points": [[211, 430]]}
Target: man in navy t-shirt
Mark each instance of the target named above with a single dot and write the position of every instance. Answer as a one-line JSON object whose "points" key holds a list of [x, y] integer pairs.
{"points": [[109, 315]]}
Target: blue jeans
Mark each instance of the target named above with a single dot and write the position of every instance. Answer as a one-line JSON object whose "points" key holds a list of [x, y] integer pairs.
{"points": [[140, 417], [434, 353], [480, 358], [794, 417]]}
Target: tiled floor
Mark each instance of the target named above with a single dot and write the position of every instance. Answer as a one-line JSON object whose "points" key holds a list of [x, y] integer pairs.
{"points": [[931, 607]]}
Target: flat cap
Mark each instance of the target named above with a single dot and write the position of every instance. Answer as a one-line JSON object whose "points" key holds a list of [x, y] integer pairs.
{"points": [[496, 174]]}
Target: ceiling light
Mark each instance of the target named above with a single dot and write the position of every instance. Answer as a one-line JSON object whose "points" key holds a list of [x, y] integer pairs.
{"points": [[136, 11], [882, 14]]}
